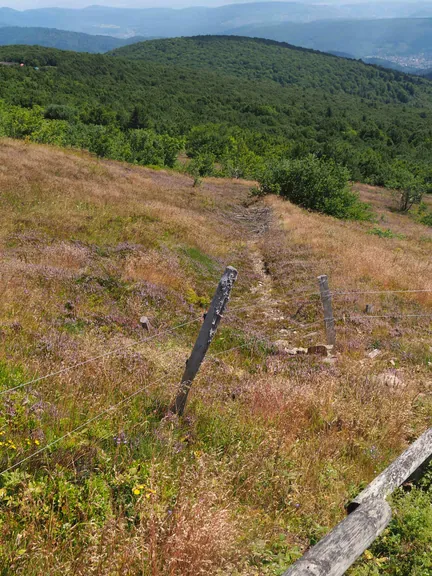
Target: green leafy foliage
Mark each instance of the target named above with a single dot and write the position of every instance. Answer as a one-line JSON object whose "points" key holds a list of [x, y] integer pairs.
{"points": [[242, 102], [385, 233], [315, 184]]}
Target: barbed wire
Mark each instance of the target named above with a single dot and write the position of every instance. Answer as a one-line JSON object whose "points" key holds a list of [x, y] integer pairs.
{"points": [[230, 310], [380, 316], [100, 356], [82, 426], [354, 292], [119, 350], [206, 359]]}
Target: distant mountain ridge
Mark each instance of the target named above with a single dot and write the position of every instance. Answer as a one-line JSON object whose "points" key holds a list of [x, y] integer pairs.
{"points": [[62, 39], [403, 42], [392, 34], [165, 21], [169, 22]]}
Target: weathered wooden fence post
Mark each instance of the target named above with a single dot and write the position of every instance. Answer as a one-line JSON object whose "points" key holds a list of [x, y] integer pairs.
{"points": [[337, 551], [326, 300], [206, 335], [412, 461], [369, 514]]}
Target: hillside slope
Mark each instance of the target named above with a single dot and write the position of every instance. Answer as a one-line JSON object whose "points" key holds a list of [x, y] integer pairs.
{"points": [[233, 487], [61, 39], [278, 62]]}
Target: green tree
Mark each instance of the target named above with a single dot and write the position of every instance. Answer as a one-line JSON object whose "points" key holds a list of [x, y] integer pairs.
{"points": [[317, 184], [408, 186]]}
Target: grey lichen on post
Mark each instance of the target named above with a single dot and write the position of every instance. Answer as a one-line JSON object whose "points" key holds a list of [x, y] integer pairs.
{"points": [[326, 300], [337, 551], [205, 337], [401, 470]]}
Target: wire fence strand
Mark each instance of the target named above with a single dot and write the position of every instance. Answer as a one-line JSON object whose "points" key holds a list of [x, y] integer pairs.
{"points": [[211, 357], [354, 292], [82, 426], [382, 316], [99, 357]]}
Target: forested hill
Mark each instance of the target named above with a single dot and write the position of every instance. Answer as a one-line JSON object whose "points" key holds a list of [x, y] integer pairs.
{"points": [[62, 39], [267, 60], [233, 102]]}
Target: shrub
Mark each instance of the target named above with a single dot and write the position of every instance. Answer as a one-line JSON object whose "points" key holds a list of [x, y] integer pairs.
{"points": [[409, 187], [60, 112], [202, 165], [317, 184], [385, 233]]}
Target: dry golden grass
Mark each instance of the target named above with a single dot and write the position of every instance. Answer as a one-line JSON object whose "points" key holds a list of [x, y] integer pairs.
{"points": [[272, 446]]}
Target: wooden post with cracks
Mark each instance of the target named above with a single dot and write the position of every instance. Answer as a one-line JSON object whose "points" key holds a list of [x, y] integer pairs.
{"points": [[205, 337], [337, 551], [369, 514], [407, 467], [326, 300]]}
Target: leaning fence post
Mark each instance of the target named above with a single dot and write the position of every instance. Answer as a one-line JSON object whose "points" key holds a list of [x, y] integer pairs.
{"points": [[326, 300], [206, 335]]}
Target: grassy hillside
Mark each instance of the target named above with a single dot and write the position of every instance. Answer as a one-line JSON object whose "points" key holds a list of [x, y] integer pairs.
{"points": [[271, 447], [60, 39], [361, 38], [236, 102]]}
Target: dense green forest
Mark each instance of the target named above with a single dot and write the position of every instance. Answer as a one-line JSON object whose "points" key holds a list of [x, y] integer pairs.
{"points": [[62, 39], [235, 104]]}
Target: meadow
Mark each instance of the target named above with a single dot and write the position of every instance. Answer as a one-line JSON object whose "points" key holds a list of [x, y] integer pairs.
{"points": [[272, 446]]}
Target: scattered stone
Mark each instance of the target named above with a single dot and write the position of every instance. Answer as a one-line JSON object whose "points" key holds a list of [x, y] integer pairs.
{"points": [[296, 351], [389, 378], [319, 350], [281, 345], [374, 353], [145, 323]]}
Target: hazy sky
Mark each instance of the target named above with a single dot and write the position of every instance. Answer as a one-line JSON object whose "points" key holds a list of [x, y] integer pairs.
{"points": [[25, 4]]}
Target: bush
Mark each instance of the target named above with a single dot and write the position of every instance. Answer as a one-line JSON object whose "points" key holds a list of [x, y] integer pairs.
{"points": [[202, 165], [60, 112], [427, 219], [408, 186], [385, 233], [317, 184]]}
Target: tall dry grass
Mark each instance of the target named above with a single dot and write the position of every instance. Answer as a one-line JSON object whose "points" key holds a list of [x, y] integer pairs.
{"points": [[272, 446]]}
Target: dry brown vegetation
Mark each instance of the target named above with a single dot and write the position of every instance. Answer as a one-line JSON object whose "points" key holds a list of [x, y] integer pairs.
{"points": [[272, 446]]}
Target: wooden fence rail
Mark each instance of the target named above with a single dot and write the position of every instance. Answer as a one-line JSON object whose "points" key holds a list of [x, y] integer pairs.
{"points": [[369, 515], [337, 551]]}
